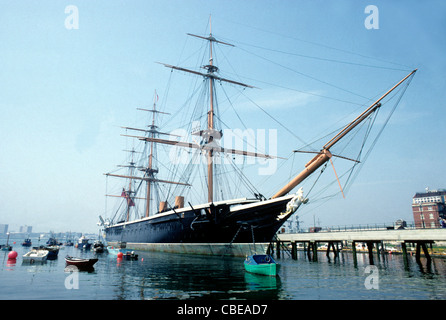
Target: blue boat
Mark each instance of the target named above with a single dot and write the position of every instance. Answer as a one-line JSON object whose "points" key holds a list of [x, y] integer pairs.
{"points": [[120, 247], [69, 243], [53, 252], [52, 241], [262, 264], [115, 250], [83, 243], [27, 242], [6, 247]]}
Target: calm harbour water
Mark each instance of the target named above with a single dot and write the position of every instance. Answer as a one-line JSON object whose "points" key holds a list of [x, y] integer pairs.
{"points": [[162, 276]]}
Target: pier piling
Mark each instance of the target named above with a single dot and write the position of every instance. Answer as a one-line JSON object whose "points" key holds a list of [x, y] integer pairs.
{"points": [[315, 251], [331, 244], [422, 244], [278, 249], [405, 258], [355, 259], [294, 250], [418, 237], [370, 249], [312, 251]]}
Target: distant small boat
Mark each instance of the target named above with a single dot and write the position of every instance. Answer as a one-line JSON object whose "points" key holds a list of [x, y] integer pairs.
{"points": [[53, 252], [116, 250], [130, 255], [121, 247], [69, 243], [98, 247], [52, 241], [27, 242], [5, 247], [83, 243], [262, 264], [35, 255], [80, 263]]}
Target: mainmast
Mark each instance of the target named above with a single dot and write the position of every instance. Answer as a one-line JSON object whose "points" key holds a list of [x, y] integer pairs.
{"points": [[211, 134], [211, 70], [325, 155]]}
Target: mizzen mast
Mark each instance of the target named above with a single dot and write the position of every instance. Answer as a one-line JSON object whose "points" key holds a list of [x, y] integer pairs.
{"points": [[325, 155]]}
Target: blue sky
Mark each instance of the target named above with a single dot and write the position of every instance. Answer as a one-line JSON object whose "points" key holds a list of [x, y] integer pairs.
{"points": [[64, 93]]}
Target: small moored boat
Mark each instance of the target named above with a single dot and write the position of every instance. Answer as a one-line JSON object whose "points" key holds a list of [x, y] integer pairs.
{"points": [[83, 243], [35, 255], [98, 247], [80, 262], [27, 242], [53, 251], [114, 250], [6, 247], [69, 243], [262, 264], [130, 255], [121, 247]]}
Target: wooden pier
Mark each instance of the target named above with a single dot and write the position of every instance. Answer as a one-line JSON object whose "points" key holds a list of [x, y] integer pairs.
{"points": [[373, 239]]}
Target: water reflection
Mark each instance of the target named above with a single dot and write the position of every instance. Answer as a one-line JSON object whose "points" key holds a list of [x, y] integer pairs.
{"points": [[163, 276], [259, 282], [173, 276]]}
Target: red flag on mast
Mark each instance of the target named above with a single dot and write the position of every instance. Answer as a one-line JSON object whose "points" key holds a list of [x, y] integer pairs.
{"points": [[130, 202]]}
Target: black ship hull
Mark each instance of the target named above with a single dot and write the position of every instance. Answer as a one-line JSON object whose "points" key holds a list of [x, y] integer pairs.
{"points": [[218, 223]]}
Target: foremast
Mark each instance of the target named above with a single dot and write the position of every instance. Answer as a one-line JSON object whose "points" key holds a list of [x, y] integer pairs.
{"points": [[325, 155], [128, 194]]}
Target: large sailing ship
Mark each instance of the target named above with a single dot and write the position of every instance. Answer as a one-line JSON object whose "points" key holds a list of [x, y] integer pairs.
{"points": [[216, 225]]}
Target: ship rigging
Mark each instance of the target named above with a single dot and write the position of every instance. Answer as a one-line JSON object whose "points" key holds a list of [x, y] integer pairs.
{"points": [[171, 218]]}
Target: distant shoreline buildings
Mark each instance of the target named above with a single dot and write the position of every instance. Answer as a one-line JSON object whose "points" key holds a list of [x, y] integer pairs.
{"points": [[26, 229], [429, 209], [4, 229], [27, 232]]}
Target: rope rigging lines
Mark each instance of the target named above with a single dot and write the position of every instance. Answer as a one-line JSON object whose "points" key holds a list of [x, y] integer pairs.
{"points": [[231, 179]]}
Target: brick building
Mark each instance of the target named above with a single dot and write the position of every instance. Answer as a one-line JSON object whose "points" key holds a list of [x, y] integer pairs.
{"points": [[429, 208]]}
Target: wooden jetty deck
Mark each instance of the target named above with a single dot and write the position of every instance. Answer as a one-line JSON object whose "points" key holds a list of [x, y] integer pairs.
{"points": [[375, 238]]}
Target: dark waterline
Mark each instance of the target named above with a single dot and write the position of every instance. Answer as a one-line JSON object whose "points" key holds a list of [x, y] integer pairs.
{"points": [[162, 276]]}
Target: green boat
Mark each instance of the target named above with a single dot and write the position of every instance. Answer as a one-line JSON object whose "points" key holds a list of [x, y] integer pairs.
{"points": [[262, 264]]}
